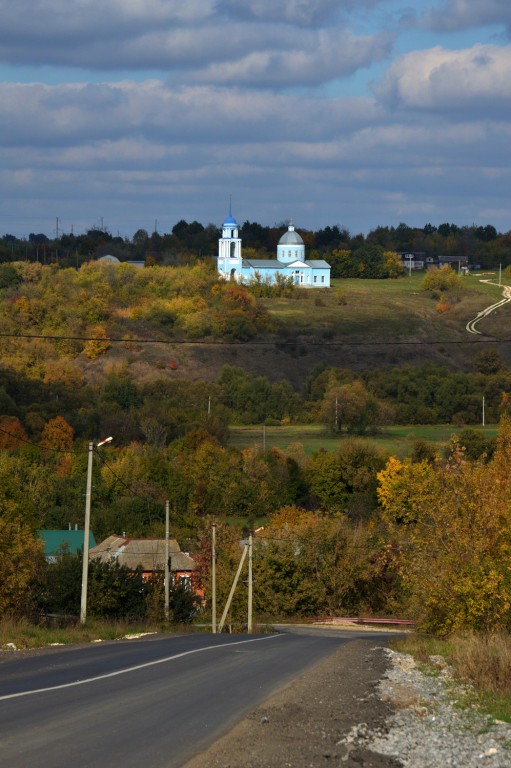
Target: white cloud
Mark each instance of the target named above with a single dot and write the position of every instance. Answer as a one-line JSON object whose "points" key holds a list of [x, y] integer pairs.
{"points": [[189, 40], [477, 80], [323, 57]]}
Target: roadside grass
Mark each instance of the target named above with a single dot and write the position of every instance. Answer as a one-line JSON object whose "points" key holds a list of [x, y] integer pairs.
{"points": [[395, 440], [25, 636], [481, 661]]}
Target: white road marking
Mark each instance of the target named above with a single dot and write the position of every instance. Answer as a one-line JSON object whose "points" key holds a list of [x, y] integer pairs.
{"points": [[135, 668]]}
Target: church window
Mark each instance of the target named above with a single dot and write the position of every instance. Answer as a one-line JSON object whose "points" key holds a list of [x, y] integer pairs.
{"points": [[315, 278], [322, 278], [289, 253]]}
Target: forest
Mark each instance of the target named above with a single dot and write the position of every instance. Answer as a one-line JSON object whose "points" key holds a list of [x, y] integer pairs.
{"points": [[189, 242], [343, 531]]}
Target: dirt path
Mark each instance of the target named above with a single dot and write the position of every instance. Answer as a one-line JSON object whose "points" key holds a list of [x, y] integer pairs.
{"points": [[506, 292], [308, 723]]}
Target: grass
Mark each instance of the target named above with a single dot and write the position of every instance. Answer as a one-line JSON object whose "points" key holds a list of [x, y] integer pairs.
{"points": [[395, 440], [480, 661], [382, 309], [26, 636]]}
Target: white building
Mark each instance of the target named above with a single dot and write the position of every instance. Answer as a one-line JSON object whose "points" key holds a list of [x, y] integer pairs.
{"points": [[290, 261]]}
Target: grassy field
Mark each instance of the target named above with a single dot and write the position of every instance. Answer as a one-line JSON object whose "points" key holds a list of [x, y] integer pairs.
{"points": [[377, 309], [395, 440]]}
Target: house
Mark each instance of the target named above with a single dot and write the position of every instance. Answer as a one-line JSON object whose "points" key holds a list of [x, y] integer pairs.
{"points": [[149, 554], [455, 262], [56, 542], [413, 259], [290, 262]]}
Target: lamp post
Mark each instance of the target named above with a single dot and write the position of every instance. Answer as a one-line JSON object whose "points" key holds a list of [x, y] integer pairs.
{"points": [[86, 529]]}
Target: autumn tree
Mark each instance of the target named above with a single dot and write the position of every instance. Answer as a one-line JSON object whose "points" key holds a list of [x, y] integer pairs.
{"points": [[451, 524]]}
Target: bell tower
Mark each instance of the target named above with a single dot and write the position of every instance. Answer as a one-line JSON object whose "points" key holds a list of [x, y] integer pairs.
{"points": [[229, 259]]}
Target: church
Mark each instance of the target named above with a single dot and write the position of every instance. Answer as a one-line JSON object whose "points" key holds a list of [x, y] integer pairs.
{"points": [[290, 261]]}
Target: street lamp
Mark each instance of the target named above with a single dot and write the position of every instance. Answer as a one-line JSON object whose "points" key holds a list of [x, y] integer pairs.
{"points": [[86, 529]]}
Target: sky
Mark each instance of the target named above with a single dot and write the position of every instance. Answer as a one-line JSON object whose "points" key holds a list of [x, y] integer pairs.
{"points": [[129, 114]]}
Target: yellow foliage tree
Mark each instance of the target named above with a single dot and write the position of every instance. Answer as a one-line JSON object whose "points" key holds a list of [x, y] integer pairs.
{"points": [[451, 527]]}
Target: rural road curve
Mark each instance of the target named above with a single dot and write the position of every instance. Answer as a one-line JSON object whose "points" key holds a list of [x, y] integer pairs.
{"points": [[506, 292], [156, 701]]}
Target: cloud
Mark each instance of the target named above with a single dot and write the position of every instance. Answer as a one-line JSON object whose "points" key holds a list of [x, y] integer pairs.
{"points": [[76, 114], [455, 15], [299, 12], [320, 59], [193, 42], [475, 80]]}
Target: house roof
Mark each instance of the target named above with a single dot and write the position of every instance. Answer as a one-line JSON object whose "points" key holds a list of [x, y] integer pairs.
{"points": [[148, 553], [58, 541]]}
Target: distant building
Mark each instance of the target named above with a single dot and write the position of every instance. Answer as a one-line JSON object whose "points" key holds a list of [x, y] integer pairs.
{"points": [[58, 542], [109, 259], [414, 259], [290, 261], [149, 554]]}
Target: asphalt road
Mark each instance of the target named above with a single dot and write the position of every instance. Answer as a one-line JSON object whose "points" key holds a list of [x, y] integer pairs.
{"points": [[151, 702]]}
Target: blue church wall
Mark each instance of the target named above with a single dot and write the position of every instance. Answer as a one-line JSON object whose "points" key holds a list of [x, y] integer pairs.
{"points": [[290, 262]]}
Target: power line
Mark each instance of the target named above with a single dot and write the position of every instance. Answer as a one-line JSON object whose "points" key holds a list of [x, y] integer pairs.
{"points": [[268, 342]]}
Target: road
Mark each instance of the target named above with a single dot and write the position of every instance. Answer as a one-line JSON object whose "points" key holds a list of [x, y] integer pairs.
{"points": [[155, 702], [506, 292]]}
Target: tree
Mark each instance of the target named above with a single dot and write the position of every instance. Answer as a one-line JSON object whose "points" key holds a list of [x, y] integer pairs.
{"points": [[353, 407], [21, 556], [451, 525]]}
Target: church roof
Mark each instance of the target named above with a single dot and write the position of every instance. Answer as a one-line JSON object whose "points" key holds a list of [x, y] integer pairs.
{"points": [[291, 237], [319, 264], [263, 263], [230, 222]]}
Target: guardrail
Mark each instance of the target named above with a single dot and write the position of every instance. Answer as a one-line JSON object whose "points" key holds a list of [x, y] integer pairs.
{"points": [[361, 620]]}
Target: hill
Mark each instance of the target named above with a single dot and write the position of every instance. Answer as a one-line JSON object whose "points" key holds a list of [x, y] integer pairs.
{"points": [[356, 324], [181, 323]]}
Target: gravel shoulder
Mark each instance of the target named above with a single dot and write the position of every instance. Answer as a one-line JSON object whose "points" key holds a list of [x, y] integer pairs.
{"points": [[364, 706]]}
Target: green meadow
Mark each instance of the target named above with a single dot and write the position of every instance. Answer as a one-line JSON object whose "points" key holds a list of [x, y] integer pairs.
{"points": [[395, 440]]}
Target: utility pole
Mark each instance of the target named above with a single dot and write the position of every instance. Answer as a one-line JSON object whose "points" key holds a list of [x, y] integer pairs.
{"points": [[250, 583], [213, 578], [231, 593], [167, 557], [483, 412], [86, 531]]}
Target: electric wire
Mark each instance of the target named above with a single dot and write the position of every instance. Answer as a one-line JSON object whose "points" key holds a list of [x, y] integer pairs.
{"points": [[261, 342]]}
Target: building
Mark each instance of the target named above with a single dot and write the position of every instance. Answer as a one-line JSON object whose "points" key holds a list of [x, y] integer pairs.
{"points": [[149, 554], [58, 542], [289, 264]]}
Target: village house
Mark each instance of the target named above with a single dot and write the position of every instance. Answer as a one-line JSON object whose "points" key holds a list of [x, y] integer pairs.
{"points": [[149, 554]]}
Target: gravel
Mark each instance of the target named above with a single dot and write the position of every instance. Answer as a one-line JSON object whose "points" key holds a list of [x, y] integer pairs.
{"points": [[365, 706], [429, 728]]}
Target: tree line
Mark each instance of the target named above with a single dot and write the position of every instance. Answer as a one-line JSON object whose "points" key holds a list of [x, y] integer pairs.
{"points": [[191, 241], [348, 531]]}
